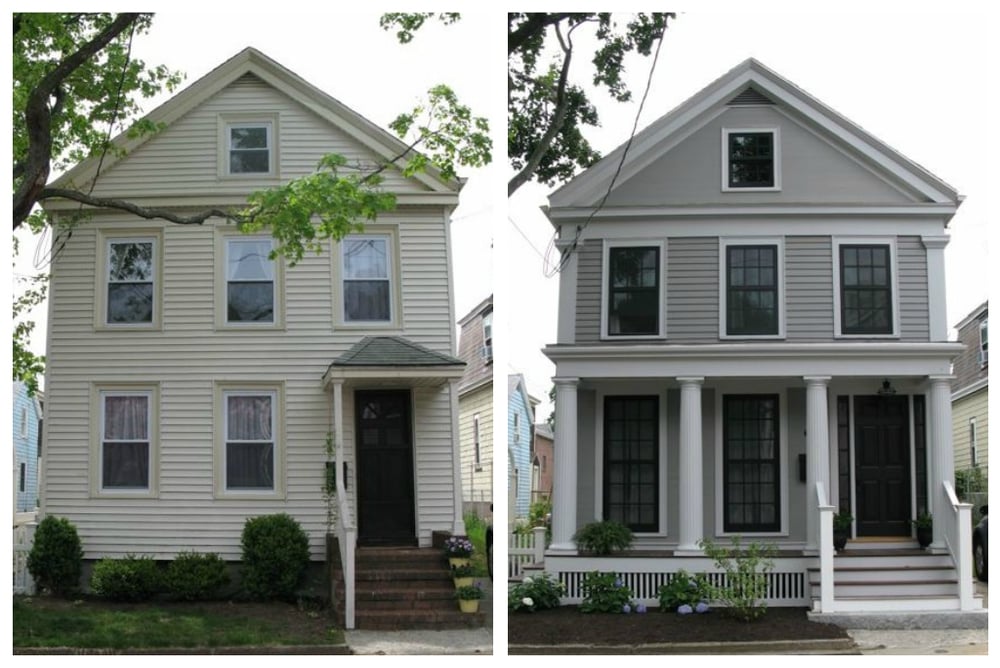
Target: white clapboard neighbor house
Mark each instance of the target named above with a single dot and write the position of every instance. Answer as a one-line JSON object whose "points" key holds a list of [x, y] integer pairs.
{"points": [[193, 382], [753, 337]]}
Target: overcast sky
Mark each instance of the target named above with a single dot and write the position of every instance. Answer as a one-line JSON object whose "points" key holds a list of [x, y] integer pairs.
{"points": [[922, 82]]}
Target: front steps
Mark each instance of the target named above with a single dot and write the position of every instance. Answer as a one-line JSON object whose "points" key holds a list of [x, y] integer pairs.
{"points": [[891, 577], [407, 588]]}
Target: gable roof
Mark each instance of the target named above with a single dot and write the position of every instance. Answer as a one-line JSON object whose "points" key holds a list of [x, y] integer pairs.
{"points": [[252, 61], [392, 351], [588, 188]]}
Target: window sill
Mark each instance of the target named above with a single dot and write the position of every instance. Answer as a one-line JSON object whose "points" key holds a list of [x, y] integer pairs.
{"points": [[250, 327], [375, 324], [128, 327], [248, 495], [124, 494], [866, 336], [751, 189], [752, 337], [633, 337]]}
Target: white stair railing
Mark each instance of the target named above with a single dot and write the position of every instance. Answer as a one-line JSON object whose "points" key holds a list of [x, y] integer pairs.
{"points": [[825, 537], [957, 533]]}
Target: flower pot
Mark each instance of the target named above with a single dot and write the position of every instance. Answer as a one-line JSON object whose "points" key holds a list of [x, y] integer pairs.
{"points": [[839, 540], [463, 582], [458, 561], [924, 536], [468, 605]]}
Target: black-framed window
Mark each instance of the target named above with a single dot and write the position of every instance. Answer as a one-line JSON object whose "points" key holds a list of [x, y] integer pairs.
{"points": [[751, 159], [751, 463], [751, 290], [631, 461], [865, 289], [634, 291]]}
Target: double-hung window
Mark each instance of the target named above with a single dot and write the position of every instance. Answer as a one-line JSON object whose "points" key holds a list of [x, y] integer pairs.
{"points": [[752, 289], [126, 449], [984, 351], [751, 159], [488, 337], [249, 440], [866, 289], [249, 147], [250, 284], [633, 279], [367, 278], [631, 461], [131, 275], [751, 467]]}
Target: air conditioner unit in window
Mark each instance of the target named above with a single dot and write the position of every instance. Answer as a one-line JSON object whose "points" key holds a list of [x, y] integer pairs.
{"points": [[487, 353], [984, 357]]}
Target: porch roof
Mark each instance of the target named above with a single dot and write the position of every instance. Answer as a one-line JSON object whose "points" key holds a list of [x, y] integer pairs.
{"points": [[394, 360]]}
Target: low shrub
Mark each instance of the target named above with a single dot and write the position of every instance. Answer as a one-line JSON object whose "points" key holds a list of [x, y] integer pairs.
{"points": [[684, 589], [538, 592], [745, 590], [604, 537], [275, 556], [194, 577], [134, 578], [56, 558], [605, 592]]}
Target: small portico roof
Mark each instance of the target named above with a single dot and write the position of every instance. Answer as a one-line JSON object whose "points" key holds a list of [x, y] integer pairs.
{"points": [[394, 360]]}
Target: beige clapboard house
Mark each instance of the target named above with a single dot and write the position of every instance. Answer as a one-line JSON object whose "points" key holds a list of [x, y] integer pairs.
{"points": [[193, 383]]}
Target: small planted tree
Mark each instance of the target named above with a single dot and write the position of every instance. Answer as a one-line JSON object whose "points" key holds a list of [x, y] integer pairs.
{"points": [[745, 590], [56, 557]]}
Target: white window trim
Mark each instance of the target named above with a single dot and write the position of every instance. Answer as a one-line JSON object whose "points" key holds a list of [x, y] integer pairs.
{"points": [[98, 392], [724, 244], [661, 244], [487, 340], [222, 321], [783, 472], [227, 121], [631, 389], [476, 443], [276, 391], [108, 237], [894, 278], [983, 352], [391, 233], [517, 428], [776, 147]]}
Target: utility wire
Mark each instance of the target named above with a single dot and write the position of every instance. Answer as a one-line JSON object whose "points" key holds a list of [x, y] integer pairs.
{"points": [[525, 236]]}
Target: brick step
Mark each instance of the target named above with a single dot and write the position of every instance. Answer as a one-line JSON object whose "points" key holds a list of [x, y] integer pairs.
{"points": [[392, 556], [409, 577], [396, 620]]}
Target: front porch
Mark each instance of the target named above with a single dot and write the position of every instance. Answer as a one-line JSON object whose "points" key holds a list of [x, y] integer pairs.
{"points": [[767, 443]]}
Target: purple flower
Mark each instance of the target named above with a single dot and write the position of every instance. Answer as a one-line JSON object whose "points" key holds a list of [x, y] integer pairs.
{"points": [[701, 607], [618, 582], [640, 608], [684, 610], [626, 608]]}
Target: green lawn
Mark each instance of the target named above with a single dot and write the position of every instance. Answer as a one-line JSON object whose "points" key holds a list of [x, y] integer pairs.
{"points": [[49, 622]]}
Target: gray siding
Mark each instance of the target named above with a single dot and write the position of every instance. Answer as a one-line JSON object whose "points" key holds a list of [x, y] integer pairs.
{"points": [[914, 317], [809, 288], [693, 290], [588, 297], [814, 170]]}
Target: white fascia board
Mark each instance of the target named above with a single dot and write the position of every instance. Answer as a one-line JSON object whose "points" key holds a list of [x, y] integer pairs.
{"points": [[921, 210], [754, 360], [981, 384]]}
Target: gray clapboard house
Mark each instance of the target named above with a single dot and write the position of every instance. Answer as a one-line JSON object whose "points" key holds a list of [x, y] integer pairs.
{"points": [[753, 336], [193, 382]]}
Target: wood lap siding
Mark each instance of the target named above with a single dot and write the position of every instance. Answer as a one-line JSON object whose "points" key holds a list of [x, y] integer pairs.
{"points": [[809, 288], [693, 289], [588, 296], [914, 316]]}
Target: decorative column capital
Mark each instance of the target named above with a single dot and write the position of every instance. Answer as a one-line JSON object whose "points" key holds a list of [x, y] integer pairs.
{"points": [[565, 381], [943, 379], [816, 380], [935, 242], [691, 380]]}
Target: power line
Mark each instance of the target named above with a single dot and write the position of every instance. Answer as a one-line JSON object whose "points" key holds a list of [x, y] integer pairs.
{"points": [[525, 236]]}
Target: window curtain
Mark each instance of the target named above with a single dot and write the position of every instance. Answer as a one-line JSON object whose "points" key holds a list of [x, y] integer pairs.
{"points": [[126, 441], [249, 446]]}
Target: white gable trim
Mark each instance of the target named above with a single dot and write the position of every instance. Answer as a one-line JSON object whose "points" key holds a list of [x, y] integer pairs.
{"points": [[648, 144]]}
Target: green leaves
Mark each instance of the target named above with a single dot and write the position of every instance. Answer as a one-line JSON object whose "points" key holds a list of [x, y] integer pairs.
{"points": [[408, 24]]}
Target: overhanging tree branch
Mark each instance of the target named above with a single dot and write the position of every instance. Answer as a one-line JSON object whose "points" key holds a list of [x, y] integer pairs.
{"points": [[148, 213], [38, 116]]}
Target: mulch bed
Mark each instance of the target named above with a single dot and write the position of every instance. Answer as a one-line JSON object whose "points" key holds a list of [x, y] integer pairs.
{"points": [[568, 626]]}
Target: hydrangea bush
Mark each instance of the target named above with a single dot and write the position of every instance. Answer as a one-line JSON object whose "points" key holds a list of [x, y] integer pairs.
{"points": [[605, 592], [539, 592], [684, 589]]}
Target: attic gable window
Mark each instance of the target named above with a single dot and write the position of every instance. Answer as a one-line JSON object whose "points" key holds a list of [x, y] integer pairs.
{"points": [[751, 159], [248, 145]]}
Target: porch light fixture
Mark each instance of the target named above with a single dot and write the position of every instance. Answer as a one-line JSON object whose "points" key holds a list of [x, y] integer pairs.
{"points": [[887, 390]]}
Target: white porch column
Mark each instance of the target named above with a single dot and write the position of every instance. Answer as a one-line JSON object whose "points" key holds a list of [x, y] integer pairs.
{"points": [[338, 435], [817, 452], [690, 529], [564, 476], [936, 294], [942, 455], [458, 527]]}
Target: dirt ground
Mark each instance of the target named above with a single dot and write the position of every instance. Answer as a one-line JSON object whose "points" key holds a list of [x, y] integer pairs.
{"points": [[567, 625]]}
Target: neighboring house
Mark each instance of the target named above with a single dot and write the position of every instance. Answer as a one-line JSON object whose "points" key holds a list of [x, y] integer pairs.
{"points": [[475, 406], [541, 462], [752, 335], [970, 395], [192, 382], [520, 418], [27, 423]]}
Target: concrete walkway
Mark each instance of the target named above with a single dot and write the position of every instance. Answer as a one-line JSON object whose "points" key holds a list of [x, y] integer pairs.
{"points": [[456, 641]]}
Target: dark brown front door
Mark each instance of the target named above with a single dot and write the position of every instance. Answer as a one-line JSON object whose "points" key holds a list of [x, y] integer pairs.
{"points": [[385, 467], [882, 465]]}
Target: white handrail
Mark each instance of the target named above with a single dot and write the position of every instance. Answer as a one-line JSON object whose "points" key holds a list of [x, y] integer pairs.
{"points": [[347, 531], [826, 598], [958, 539]]}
